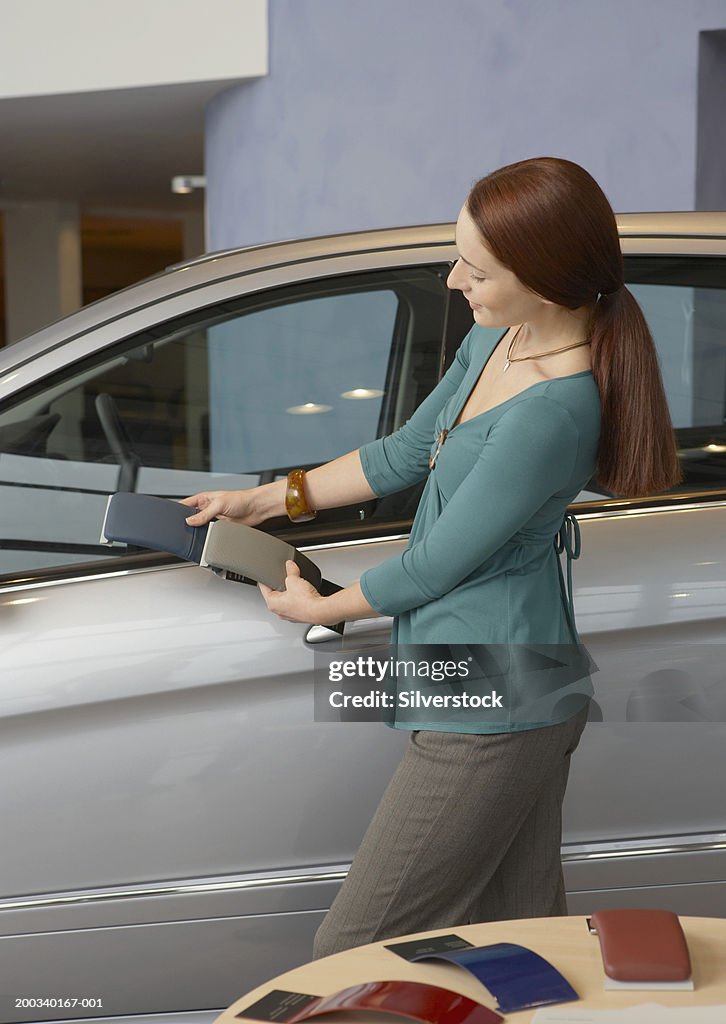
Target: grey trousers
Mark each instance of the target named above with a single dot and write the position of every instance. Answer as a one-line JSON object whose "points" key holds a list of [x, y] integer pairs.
{"points": [[468, 829]]}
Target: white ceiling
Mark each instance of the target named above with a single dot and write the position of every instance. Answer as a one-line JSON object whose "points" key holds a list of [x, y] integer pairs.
{"points": [[116, 148]]}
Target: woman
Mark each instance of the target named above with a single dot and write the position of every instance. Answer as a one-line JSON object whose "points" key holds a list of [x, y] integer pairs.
{"points": [[469, 828]]}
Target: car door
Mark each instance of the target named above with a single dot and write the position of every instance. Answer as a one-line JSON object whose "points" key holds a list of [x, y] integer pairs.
{"points": [[175, 812], [644, 822]]}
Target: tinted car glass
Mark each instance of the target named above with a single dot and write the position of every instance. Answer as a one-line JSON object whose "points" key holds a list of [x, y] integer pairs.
{"points": [[292, 377], [684, 301]]}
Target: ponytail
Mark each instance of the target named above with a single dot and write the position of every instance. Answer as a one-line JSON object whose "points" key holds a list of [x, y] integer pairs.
{"points": [[637, 454]]}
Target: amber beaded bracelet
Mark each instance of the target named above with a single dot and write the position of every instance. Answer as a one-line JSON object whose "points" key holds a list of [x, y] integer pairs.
{"points": [[296, 503]]}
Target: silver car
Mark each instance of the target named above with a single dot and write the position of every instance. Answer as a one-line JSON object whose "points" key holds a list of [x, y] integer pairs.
{"points": [[175, 822]]}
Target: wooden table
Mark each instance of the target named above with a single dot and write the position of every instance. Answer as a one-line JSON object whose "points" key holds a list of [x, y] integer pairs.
{"points": [[564, 941]]}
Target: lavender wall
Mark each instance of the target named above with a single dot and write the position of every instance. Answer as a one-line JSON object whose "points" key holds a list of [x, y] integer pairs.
{"points": [[383, 112]]}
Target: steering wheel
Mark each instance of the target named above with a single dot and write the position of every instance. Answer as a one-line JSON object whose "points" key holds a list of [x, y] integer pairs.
{"points": [[119, 442]]}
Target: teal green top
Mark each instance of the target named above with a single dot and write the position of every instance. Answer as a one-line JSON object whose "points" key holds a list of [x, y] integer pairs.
{"points": [[481, 565]]}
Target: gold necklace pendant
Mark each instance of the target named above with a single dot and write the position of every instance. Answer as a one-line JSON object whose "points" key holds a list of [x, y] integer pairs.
{"points": [[508, 361], [439, 445]]}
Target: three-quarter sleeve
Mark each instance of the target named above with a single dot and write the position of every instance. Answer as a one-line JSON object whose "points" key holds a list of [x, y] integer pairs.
{"points": [[401, 459], [529, 455]]}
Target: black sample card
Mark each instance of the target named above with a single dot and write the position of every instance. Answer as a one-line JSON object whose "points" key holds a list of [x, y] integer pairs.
{"points": [[424, 947], [277, 1006]]}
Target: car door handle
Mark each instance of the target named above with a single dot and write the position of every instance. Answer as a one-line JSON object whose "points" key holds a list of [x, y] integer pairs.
{"points": [[323, 634]]}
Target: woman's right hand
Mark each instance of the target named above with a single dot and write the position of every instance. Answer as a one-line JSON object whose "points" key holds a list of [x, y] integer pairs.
{"points": [[234, 505]]}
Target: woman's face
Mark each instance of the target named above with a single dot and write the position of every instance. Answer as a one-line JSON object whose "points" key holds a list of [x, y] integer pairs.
{"points": [[497, 297]]}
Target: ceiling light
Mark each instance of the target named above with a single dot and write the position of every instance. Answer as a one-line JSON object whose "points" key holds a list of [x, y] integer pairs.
{"points": [[362, 393], [183, 184], [308, 409]]}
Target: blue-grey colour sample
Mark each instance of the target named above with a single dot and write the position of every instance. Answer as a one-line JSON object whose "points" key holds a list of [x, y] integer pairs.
{"points": [[385, 112]]}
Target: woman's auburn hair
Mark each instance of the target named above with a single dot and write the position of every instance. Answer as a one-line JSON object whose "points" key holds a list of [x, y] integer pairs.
{"points": [[550, 223]]}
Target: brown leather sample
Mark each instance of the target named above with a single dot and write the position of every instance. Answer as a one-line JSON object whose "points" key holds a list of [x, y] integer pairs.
{"points": [[642, 945]]}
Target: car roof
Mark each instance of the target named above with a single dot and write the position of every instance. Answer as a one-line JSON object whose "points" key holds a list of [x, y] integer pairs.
{"points": [[216, 266]]}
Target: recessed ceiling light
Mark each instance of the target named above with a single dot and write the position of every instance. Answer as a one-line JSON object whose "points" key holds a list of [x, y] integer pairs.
{"points": [[308, 409], [362, 393], [183, 184]]}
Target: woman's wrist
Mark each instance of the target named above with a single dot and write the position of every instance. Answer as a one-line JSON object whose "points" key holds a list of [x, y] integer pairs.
{"points": [[324, 612], [268, 500], [344, 605]]}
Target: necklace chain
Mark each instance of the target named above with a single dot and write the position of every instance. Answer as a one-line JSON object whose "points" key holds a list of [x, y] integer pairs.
{"points": [[537, 355]]}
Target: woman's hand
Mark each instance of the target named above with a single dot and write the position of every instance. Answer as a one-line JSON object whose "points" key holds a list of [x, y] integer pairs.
{"points": [[298, 602], [237, 506]]}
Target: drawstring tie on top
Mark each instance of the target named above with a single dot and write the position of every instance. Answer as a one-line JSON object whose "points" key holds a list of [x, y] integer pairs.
{"points": [[567, 539]]}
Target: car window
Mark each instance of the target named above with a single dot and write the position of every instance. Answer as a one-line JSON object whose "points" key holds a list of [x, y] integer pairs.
{"points": [[684, 302], [290, 377]]}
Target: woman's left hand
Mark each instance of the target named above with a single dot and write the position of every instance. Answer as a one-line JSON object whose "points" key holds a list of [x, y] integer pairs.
{"points": [[298, 602]]}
